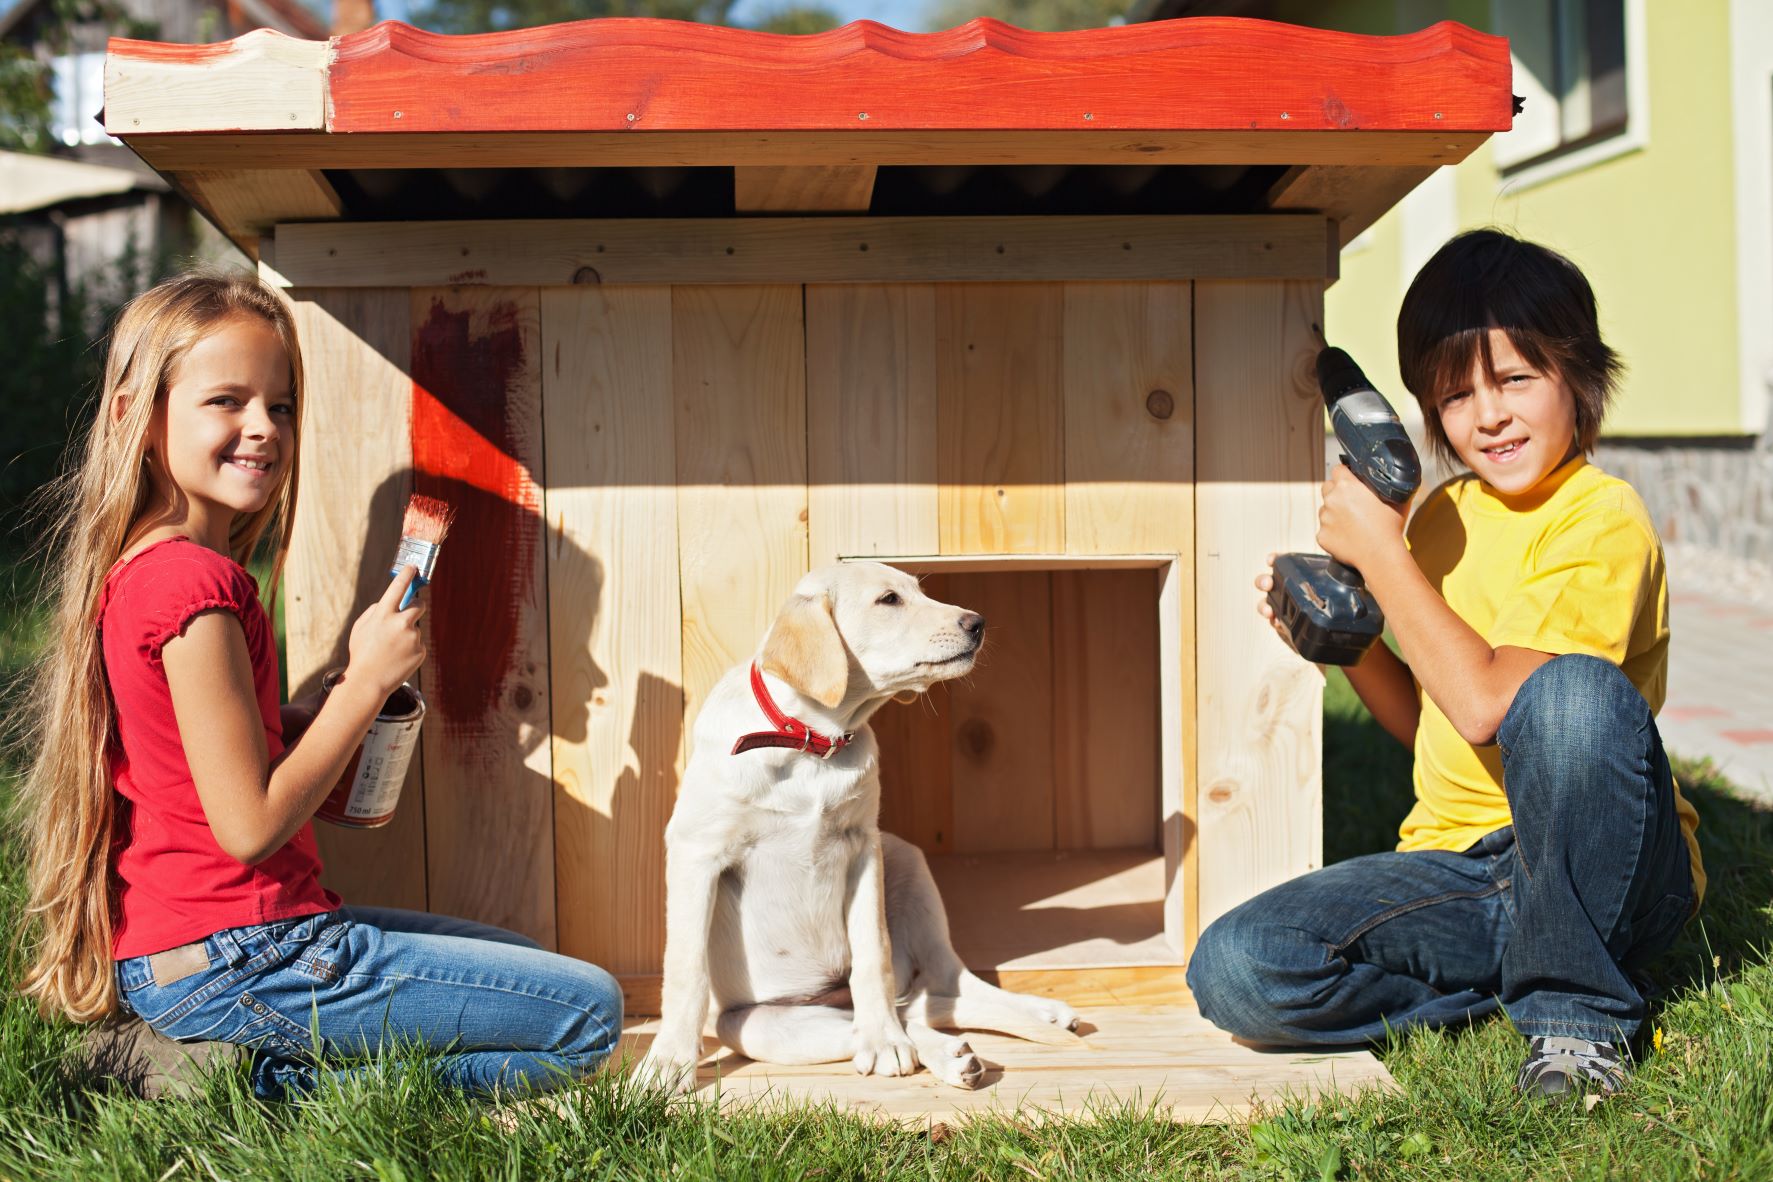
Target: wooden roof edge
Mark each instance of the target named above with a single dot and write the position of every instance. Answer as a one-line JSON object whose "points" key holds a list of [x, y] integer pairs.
{"points": [[1198, 74]]}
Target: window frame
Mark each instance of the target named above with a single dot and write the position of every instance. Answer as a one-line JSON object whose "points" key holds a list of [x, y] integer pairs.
{"points": [[1574, 156]]}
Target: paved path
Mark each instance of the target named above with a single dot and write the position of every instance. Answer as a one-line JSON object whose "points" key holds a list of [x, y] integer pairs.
{"points": [[1720, 686]]}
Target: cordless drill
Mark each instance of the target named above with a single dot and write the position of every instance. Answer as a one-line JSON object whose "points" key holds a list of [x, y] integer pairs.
{"points": [[1323, 604]]}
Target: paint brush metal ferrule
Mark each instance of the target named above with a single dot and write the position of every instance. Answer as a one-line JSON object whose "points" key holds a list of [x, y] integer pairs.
{"points": [[414, 552]]}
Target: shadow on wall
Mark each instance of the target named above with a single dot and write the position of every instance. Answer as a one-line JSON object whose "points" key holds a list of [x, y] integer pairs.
{"points": [[482, 831]]}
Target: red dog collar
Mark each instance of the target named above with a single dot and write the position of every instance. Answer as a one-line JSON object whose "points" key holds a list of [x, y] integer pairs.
{"points": [[789, 732]]}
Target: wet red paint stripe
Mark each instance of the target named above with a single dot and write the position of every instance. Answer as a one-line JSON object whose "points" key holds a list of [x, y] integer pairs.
{"points": [[466, 433]]}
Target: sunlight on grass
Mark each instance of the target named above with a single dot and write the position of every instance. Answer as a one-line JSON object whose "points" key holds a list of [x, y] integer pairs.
{"points": [[1702, 1104]]}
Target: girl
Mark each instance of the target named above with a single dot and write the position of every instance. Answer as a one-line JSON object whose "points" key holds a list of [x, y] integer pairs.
{"points": [[1549, 853], [173, 869]]}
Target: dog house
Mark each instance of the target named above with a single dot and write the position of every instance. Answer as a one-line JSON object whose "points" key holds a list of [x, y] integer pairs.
{"points": [[672, 313]]}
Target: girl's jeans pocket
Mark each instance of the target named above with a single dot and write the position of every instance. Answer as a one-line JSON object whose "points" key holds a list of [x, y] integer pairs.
{"points": [[242, 993]]}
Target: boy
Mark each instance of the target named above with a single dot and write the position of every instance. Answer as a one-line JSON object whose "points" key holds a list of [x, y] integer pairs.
{"points": [[1549, 852]]}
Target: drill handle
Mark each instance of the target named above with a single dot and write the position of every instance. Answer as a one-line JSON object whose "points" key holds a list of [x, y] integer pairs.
{"points": [[1343, 573]]}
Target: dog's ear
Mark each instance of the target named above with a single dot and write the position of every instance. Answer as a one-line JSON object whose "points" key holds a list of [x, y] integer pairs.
{"points": [[805, 650]]}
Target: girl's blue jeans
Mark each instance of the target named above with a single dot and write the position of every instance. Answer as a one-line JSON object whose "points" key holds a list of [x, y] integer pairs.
{"points": [[503, 1014], [1546, 918]]}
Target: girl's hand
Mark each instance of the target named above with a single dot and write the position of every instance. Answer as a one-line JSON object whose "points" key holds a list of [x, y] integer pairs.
{"points": [[297, 714], [1354, 526], [385, 644]]}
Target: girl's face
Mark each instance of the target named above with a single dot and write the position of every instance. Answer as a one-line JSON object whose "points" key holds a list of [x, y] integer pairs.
{"points": [[1513, 432], [225, 433]]}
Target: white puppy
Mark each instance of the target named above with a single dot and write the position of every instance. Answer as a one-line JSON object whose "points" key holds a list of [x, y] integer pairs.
{"points": [[785, 904]]}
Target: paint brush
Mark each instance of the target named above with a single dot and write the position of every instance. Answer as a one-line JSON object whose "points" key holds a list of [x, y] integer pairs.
{"points": [[421, 537]]}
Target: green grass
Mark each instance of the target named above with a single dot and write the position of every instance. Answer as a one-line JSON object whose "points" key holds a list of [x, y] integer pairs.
{"points": [[1700, 1107]]}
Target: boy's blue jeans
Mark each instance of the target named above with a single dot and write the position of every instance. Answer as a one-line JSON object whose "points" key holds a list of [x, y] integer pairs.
{"points": [[1545, 918], [505, 1014]]}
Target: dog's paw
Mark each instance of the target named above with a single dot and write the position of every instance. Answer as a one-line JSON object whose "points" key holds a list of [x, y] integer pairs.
{"points": [[884, 1051], [957, 1065], [1056, 1012], [666, 1072]]}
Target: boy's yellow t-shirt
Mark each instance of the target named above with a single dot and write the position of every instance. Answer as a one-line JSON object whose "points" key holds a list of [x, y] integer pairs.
{"points": [[1573, 565]]}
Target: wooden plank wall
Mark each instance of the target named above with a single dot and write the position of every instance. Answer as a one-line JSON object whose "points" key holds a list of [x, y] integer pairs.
{"points": [[1260, 722], [704, 445], [739, 376], [356, 475], [615, 618], [1065, 419], [477, 444]]}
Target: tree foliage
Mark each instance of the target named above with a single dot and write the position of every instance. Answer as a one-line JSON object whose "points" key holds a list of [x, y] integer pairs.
{"points": [[488, 16], [1045, 15]]}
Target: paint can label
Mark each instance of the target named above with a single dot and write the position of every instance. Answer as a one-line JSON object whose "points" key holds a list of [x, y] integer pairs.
{"points": [[366, 795]]}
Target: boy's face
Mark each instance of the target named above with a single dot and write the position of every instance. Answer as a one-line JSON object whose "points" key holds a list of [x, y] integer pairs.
{"points": [[1515, 430]]}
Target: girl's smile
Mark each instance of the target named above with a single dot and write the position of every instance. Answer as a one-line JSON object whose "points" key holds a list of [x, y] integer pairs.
{"points": [[220, 435], [1514, 430]]}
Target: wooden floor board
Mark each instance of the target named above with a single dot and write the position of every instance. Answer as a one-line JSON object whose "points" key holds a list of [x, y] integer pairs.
{"points": [[1163, 1057]]}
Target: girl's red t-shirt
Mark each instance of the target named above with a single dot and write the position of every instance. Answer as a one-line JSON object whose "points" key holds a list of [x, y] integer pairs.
{"points": [[177, 885]]}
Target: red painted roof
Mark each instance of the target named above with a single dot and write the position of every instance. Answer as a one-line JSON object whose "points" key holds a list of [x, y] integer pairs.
{"points": [[642, 75]]}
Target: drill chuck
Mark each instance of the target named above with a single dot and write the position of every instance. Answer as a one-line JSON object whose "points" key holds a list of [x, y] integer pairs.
{"points": [[1374, 443], [1326, 609]]}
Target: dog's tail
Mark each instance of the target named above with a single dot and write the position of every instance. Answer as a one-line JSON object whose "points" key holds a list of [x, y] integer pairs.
{"points": [[986, 1013]]}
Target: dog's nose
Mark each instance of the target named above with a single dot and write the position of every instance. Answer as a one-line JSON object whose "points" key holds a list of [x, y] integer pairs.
{"points": [[973, 624]]}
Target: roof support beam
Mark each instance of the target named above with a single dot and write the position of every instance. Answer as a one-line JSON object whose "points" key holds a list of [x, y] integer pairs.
{"points": [[601, 149], [799, 250], [246, 203], [842, 188], [1351, 196]]}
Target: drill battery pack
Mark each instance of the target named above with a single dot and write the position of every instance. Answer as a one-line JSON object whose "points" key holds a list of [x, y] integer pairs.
{"points": [[1328, 613]]}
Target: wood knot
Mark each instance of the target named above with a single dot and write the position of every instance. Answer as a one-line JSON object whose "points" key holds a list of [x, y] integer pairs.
{"points": [[1221, 793], [587, 275], [1160, 404], [976, 738], [523, 697]]}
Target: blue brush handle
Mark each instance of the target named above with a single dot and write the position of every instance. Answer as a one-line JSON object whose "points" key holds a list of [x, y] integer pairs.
{"points": [[412, 590]]}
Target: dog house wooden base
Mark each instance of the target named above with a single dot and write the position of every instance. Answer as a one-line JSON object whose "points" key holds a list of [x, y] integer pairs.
{"points": [[673, 313]]}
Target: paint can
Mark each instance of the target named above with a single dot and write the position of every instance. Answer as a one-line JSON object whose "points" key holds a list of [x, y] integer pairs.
{"points": [[370, 788]]}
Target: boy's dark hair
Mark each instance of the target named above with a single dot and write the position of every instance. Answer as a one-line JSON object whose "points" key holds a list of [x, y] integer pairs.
{"points": [[1484, 279]]}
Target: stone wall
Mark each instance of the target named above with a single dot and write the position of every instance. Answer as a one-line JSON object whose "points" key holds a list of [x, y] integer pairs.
{"points": [[1711, 495]]}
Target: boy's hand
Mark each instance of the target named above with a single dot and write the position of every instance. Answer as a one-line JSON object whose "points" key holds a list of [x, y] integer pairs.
{"points": [[1355, 526], [1265, 584]]}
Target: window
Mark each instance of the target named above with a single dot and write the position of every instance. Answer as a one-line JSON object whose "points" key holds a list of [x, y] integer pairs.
{"points": [[1570, 67], [79, 96]]}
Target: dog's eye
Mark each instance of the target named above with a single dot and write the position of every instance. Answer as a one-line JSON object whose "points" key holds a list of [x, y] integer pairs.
{"points": [[890, 599]]}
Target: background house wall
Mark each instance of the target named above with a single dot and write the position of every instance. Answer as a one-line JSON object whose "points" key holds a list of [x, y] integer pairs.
{"points": [[1671, 218]]}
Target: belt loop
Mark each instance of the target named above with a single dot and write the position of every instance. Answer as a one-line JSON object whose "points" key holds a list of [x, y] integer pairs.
{"points": [[228, 947]]}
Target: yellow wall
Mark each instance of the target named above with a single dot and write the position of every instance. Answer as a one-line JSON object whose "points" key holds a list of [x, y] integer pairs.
{"points": [[1652, 229]]}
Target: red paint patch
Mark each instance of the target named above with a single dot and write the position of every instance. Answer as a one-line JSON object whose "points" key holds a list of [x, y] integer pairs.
{"points": [[465, 451], [1684, 713], [1748, 738]]}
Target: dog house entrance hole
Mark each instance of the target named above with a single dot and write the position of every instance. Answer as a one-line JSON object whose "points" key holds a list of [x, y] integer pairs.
{"points": [[1046, 785]]}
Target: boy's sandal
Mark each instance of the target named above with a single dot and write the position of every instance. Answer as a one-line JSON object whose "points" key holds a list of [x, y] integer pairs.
{"points": [[1557, 1067]]}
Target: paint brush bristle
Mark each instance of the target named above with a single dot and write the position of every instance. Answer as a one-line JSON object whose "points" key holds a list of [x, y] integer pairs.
{"points": [[427, 519], [421, 536]]}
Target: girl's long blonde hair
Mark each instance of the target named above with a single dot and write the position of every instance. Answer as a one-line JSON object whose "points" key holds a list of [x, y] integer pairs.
{"points": [[68, 804]]}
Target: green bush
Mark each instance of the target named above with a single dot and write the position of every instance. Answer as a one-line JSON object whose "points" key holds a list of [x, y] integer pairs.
{"points": [[54, 362]]}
